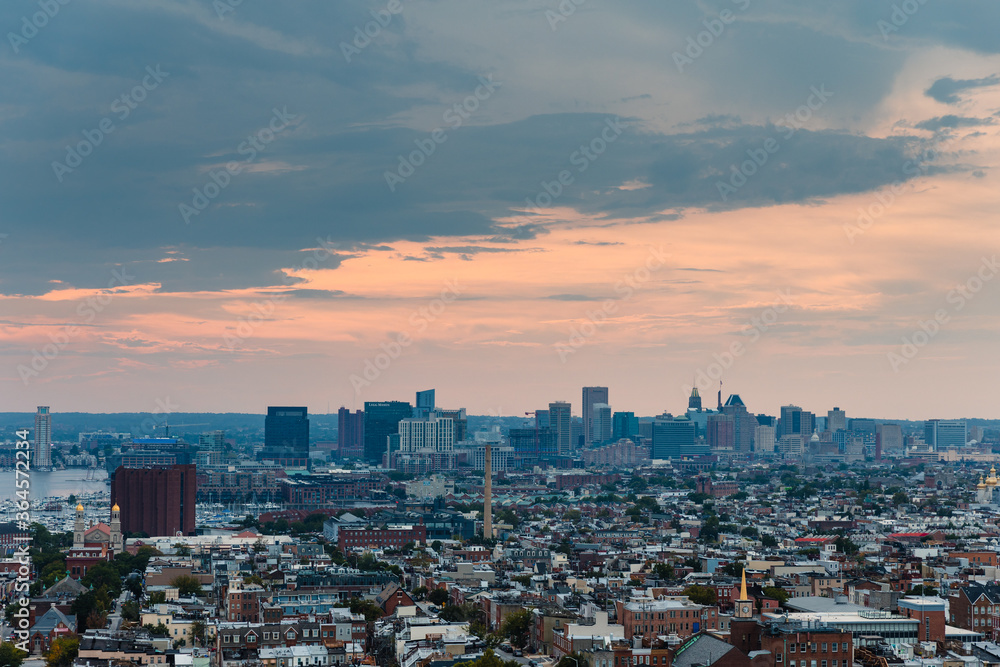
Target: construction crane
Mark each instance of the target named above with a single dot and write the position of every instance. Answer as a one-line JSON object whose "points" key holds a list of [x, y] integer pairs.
{"points": [[166, 427]]}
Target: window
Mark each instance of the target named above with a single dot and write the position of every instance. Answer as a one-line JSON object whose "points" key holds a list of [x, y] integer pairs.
{"points": [[791, 663], [834, 647], [834, 663], [824, 647], [812, 647], [844, 647], [823, 663], [791, 649], [777, 657], [802, 647]]}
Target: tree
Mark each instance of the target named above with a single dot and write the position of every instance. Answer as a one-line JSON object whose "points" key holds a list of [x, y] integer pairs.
{"points": [[516, 627], [489, 659], [63, 651], [921, 589], [663, 571], [574, 659], [370, 610], [11, 655], [198, 633], [436, 546], [458, 613], [131, 612], [104, 575], [779, 594], [900, 498], [438, 596], [769, 541], [182, 549], [701, 594], [186, 585], [157, 597]]}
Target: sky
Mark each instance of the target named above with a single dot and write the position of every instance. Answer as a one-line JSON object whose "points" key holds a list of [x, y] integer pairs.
{"points": [[223, 205]]}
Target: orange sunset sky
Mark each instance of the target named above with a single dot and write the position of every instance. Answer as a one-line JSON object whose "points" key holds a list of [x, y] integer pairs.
{"points": [[307, 265]]}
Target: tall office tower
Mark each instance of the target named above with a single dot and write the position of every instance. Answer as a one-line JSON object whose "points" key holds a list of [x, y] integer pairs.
{"points": [[425, 404], [434, 435], [286, 437], [764, 439], [212, 441], [836, 420], [940, 434], [721, 432], [624, 425], [381, 421], [767, 420], [889, 438], [158, 501], [532, 446], [560, 421], [795, 420], [600, 427], [350, 433], [694, 401], [744, 423], [975, 433], [488, 493], [591, 396], [41, 454], [674, 439], [461, 422], [542, 419]]}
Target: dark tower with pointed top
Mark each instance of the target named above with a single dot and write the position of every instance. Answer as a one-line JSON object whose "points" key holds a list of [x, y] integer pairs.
{"points": [[694, 402]]}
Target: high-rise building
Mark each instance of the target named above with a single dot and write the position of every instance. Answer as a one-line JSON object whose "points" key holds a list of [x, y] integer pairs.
{"points": [[694, 401], [434, 436], [158, 501], [212, 441], [940, 434], [532, 446], [624, 425], [350, 433], [560, 421], [721, 432], [542, 419], [836, 420], [591, 396], [674, 439], [425, 404], [381, 421], [460, 419], [889, 438], [744, 423], [600, 423], [795, 420], [286, 437], [41, 454], [764, 439]]}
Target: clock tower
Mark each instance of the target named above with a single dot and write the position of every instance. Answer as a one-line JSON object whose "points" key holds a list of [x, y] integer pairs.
{"points": [[744, 605]]}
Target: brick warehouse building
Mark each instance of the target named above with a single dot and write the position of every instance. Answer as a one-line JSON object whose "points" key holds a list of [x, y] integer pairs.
{"points": [[157, 501]]}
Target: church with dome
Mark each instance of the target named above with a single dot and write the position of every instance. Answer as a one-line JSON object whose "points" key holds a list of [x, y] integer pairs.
{"points": [[95, 543], [987, 489]]}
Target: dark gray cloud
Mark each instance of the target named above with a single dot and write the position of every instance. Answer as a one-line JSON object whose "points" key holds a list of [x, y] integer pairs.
{"points": [[952, 121], [324, 176], [947, 89]]}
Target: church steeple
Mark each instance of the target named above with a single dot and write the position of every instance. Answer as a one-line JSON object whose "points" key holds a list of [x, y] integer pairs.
{"points": [[78, 527], [116, 529], [744, 605]]}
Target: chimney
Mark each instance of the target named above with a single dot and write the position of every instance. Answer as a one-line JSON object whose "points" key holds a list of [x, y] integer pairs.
{"points": [[488, 495]]}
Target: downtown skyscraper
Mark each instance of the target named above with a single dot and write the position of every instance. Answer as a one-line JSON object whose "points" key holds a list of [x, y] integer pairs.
{"points": [[592, 396], [41, 453]]}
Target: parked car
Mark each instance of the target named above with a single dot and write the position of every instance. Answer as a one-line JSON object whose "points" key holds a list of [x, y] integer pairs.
{"points": [[505, 648], [518, 653]]}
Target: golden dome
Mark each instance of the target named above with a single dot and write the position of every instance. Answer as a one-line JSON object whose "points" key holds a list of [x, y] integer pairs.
{"points": [[982, 484], [79, 508], [116, 508]]}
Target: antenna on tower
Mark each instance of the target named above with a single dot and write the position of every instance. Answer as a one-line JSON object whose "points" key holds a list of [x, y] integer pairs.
{"points": [[720, 395]]}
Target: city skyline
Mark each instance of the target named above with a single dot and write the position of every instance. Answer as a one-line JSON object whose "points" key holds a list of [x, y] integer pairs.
{"points": [[800, 200]]}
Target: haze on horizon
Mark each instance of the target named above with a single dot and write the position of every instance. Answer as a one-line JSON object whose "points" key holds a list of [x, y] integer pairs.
{"points": [[235, 205]]}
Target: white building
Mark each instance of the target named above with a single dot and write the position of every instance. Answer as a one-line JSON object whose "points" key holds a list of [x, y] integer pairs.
{"points": [[41, 454]]}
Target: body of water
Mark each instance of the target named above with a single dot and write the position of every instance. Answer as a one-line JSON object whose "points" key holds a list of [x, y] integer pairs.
{"points": [[61, 483]]}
